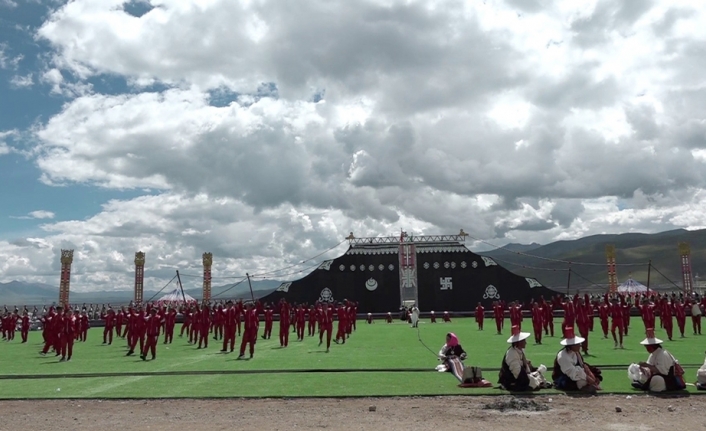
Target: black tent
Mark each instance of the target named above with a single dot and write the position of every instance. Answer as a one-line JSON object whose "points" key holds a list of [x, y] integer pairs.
{"points": [[437, 272]]}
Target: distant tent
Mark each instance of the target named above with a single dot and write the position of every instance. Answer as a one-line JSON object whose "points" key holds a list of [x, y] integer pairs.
{"points": [[632, 286], [176, 296]]}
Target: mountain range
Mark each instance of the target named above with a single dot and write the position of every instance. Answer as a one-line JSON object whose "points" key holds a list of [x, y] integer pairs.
{"points": [[547, 263], [21, 293], [633, 254]]}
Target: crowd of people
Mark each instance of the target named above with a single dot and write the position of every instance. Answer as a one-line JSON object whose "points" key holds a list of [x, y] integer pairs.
{"points": [[660, 372], [141, 326]]}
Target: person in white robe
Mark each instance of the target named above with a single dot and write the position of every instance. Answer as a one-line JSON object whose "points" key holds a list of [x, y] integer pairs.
{"points": [[415, 316], [660, 366], [570, 370], [516, 372]]}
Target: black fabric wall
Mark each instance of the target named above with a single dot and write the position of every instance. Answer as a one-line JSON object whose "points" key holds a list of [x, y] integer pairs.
{"points": [[469, 281]]}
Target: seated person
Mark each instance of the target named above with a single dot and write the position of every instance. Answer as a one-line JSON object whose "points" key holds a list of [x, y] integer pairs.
{"points": [[516, 372], [701, 377], [661, 365], [571, 373], [451, 356]]}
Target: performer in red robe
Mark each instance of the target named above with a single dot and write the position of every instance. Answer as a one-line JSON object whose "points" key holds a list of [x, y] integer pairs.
{"points": [[515, 315], [137, 331], [68, 335], [369, 318], [388, 319], [269, 322], [548, 318], [195, 329], [353, 315], [447, 317], [229, 327], [109, 319], [537, 322], [666, 315], [626, 306], [616, 315], [186, 324], [680, 313], [25, 326], [569, 313], [218, 317], [326, 325], [300, 316], [284, 323], [250, 330], [647, 313], [603, 313], [52, 325], [499, 315], [432, 317], [583, 323], [312, 321], [169, 321], [342, 324], [153, 325], [480, 316], [85, 325], [205, 322]]}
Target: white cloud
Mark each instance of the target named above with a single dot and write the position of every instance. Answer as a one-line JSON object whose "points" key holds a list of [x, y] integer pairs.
{"points": [[19, 81], [42, 214], [8, 3], [275, 129], [8, 62]]}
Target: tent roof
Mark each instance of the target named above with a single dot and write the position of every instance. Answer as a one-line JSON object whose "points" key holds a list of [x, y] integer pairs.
{"points": [[632, 286], [176, 296]]}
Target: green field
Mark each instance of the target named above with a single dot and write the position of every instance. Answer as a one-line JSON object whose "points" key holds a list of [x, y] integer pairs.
{"points": [[378, 360]]}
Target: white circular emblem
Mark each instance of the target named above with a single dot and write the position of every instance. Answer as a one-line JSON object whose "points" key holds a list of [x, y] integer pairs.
{"points": [[371, 268], [463, 264], [352, 267], [391, 266], [426, 265], [474, 264], [371, 284], [342, 267], [491, 292], [453, 264], [362, 267], [381, 267], [436, 265], [446, 265]]}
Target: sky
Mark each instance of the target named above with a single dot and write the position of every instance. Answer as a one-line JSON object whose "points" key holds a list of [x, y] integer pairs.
{"points": [[266, 131]]}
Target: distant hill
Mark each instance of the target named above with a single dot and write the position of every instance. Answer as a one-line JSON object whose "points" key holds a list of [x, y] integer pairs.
{"points": [[631, 248], [22, 293]]}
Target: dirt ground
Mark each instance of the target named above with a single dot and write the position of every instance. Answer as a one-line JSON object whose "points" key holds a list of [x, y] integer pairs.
{"points": [[420, 413]]}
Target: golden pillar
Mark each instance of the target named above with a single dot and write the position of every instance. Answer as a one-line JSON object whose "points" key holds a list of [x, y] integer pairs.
{"points": [[612, 275], [67, 258], [207, 262], [139, 277], [685, 255]]}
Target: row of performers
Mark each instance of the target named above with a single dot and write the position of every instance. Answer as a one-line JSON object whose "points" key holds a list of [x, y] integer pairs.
{"points": [[659, 373], [613, 312], [144, 326]]}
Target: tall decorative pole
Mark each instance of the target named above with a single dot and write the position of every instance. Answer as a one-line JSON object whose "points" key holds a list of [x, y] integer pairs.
{"points": [[687, 280], [67, 258], [139, 277], [207, 262], [612, 276]]}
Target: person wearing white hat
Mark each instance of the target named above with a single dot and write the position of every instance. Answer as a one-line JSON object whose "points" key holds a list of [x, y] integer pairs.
{"points": [[570, 370], [516, 372], [414, 316], [662, 366]]}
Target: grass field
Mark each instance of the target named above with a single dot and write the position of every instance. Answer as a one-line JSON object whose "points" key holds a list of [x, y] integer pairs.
{"points": [[378, 360]]}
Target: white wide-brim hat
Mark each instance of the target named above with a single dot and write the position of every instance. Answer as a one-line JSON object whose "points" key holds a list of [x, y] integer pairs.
{"points": [[651, 341], [518, 337], [572, 341]]}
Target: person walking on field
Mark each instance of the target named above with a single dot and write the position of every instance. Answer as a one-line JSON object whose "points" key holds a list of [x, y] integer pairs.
{"points": [[250, 331]]}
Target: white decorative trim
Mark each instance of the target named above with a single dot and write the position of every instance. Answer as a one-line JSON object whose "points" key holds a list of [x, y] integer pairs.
{"points": [[352, 267], [362, 267], [391, 267], [371, 284], [284, 287], [488, 261], [326, 295], [381, 267], [447, 265], [442, 249], [326, 265], [373, 251], [342, 267], [463, 264], [453, 265], [446, 283], [533, 282], [426, 265], [371, 268], [474, 264], [436, 265]]}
